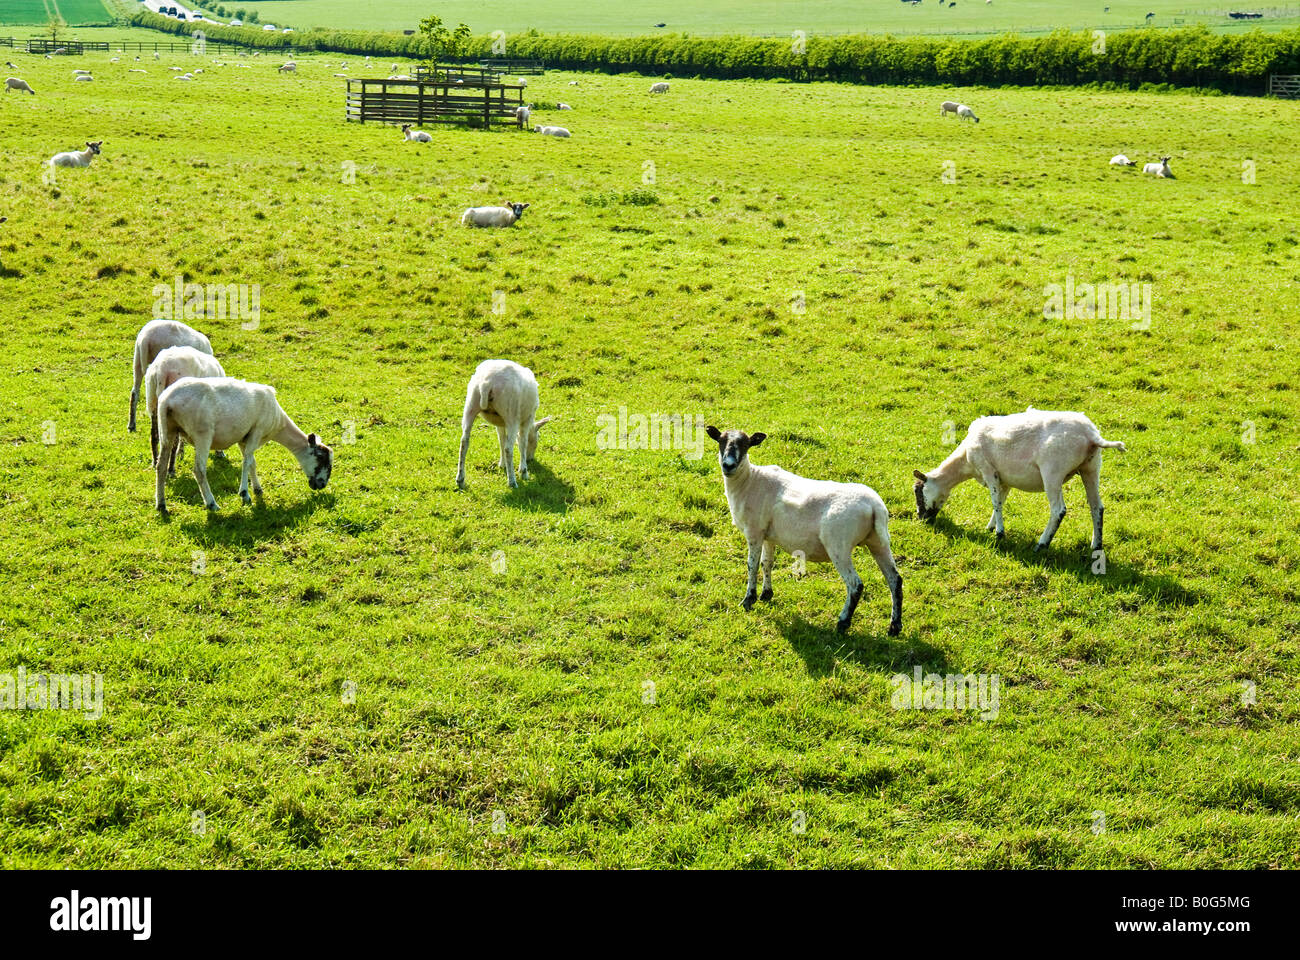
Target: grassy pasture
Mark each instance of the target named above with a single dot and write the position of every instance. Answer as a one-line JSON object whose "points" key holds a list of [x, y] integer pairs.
{"points": [[499, 644], [40, 12]]}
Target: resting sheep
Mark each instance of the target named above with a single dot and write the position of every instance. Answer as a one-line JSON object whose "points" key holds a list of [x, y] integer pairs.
{"points": [[1119, 160], [1034, 450], [13, 83], [552, 131], [818, 519], [505, 395], [418, 136], [493, 216], [155, 337], [77, 158], [171, 364], [216, 414], [1160, 169], [659, 87]]}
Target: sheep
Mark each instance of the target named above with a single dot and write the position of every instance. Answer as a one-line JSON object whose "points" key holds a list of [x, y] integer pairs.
{"points": [[84, 78], [77, 158], [563, 106], [137, 70], [1119, 160], [289, 67], [552, 131], [1160, 169], [1034, 450], [522, 114], [573, 83], [114, 59], [170, 365], [214, 414], [493, 216], [966, 113], [77, 73], [13, 83], [155, 55], [418, 136], [505, 395], [817, 519], [523, 82], [155, 337], [659, 87]]}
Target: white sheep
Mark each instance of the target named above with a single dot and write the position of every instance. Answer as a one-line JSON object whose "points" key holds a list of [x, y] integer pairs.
{"points": [[522, 115], [1119, 160], [79, 72], [966, 113], [418, 136], [660, 87], [1034, 450], [505, 395], [84, 78], [1160, 169], [214, 414], [552, 131], [155, 337], [563, 106], [171, 364], [289, 67], [493, 216], [818, 520], [523, 82], [77, 158], [573, 83], [947, 107], [14, 83]]}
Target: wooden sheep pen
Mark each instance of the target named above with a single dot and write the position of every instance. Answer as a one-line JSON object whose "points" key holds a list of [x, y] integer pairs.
{"points": [[425, 101]]}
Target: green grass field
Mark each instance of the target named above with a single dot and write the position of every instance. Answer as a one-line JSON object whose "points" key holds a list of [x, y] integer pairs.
{"points": [[767, 17], [40, 12], [394, 673]]}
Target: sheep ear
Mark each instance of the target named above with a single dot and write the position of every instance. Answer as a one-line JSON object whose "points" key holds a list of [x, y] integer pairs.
{"points": [[756, 438], [920, 476], [714, 433], [311, 439]]}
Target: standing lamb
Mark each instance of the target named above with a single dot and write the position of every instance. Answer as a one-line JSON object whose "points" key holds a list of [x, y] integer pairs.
{"points": [[77, 158], [818, 519], [13, 83], [522, 115], [493, 216], [505, 395], [660, 87], [418, 136], [214, 414], [155, 337], [170, 365], [1160, 169], [1034, 450]]}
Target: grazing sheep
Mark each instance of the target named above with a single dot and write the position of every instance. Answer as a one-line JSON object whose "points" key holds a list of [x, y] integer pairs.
{"points": [[289, 67], [1034, 450], [1119, 160], [966, 113], [947, 107], [171, 364], [563, 106], [155, 337], [214, 414], [77, 158], [573, 83], [821, 520], [552, 131], [13, 83], [1160, 169], [493, 216], [11, 65], [419, 136], [660, 87], [505, 395], [522, 115]]}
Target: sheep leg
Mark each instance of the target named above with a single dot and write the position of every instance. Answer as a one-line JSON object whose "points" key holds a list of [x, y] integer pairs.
{"points": [[1090, 474], [201, 470], [153, 437], [510, 458], [138, 376], [466, 425], [769, 554], [501, 445], [248, 469], [1056, 501], [160, 468], [751, 591], [176, 452], [843, 561], [998, 494], [252, 475], [884, 557]]}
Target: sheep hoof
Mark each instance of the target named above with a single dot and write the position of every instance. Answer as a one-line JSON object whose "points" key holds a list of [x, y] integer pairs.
{"points": [[999, 534], [842, 626], [243, 495], [748, 602], [895, 627], [765, 596], [1039, 547], [213, 508]]}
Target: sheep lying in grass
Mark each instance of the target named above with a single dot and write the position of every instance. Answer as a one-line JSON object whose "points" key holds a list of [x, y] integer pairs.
{"points": [[505, 395], [1119, 160], [13, 83], [214, 414], [819, 519], [171, 365], [77, 158], [493, 216], [155, 337], [84, 78], [659, 87], [563, 106], [552, 131], [1034, 450], [416, 136], [1160, 169]]}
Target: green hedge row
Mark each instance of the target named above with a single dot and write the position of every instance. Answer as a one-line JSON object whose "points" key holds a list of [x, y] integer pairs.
{"points": [[1194, 57]]}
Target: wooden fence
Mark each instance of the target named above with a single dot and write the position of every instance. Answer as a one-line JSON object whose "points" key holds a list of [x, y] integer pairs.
{"points": [[1284, 85], [421, 102], [516, 66], [453, 72], [70, 48]]}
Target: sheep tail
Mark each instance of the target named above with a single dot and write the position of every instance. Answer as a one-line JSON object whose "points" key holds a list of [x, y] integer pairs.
{"points": [[1111, 444]]}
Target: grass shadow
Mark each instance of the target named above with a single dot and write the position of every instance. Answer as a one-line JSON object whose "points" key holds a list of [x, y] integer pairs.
{"points": [[866, 644], [542, 492], [1157, 588]]}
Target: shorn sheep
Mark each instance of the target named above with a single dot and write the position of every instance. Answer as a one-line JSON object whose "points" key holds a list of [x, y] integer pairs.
{"points": [[959, 110], [818, 519], [171, 365], [493, 216], [1160, 169], [522, 115], [1119, 160], [966, 113], [418, 136], [660, 87], [1035, 450], [155, 337], [505, 395], [77, 158], [214, 414], [13, 83], [552, 131]]}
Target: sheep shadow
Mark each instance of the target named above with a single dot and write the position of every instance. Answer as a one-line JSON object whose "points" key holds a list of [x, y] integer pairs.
{"points": [[238, 526], [542, 492], [1159, 589], [866, 644]]}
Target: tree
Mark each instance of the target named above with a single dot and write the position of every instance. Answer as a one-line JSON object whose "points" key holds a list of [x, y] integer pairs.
{"points": [[441, 42]]}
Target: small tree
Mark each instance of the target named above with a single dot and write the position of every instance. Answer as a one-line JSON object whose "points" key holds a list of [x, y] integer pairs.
{"points": [[441, 42], [55, 26]]}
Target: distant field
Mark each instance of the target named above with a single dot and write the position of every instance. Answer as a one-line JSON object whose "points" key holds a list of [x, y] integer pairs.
{"points": [[33, 12], [747, 16]]}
